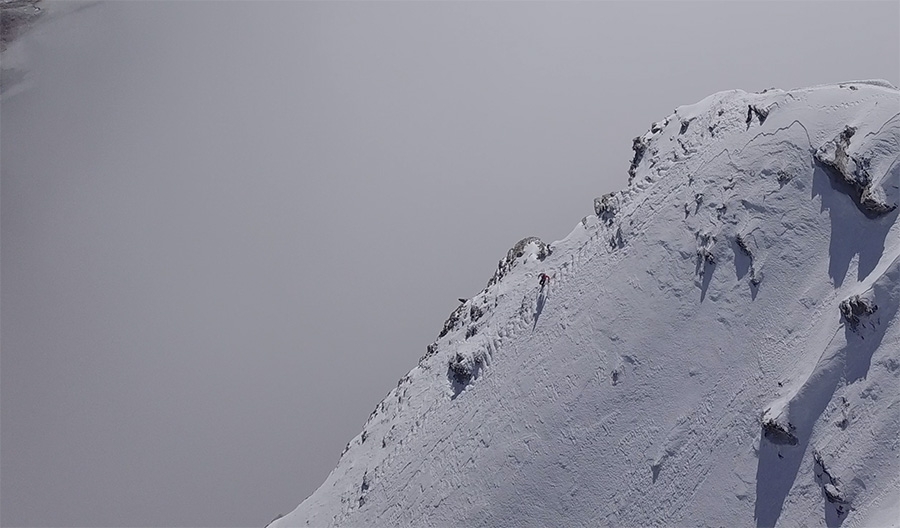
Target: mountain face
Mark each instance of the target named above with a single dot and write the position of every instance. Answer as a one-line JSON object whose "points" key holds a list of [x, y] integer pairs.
{"points": [[16, 17], [718, 345]]}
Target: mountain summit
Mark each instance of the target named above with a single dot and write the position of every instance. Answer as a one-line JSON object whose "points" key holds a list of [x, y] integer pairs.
{"points": [[717, 345]]}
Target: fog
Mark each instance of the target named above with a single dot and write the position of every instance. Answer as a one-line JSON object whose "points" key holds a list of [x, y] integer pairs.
{"points": [[229, 228]]}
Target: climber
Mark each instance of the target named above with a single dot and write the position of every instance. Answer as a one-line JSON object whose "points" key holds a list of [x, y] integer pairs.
{"points": [[545, 279]]}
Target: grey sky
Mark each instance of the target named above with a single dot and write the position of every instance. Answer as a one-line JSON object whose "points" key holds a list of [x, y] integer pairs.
{"points": [[228, 228]]}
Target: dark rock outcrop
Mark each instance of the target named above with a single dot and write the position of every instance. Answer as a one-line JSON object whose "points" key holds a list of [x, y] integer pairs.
{"points": [[779, 434], [506, 264], [639, 146], [606, 207], [855, 309]]}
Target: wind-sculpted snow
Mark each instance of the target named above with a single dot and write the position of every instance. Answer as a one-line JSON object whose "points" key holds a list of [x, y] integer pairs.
{"points": [[718, 345]]}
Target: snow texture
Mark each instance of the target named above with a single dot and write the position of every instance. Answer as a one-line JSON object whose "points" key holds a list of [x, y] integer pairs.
{"points": [[718, 346]]}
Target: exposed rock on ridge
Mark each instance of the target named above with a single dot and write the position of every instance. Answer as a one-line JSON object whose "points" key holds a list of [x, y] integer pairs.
{"points": [[875, 193]]}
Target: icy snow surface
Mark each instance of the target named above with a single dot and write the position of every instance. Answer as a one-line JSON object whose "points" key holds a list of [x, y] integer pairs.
{"points": [[718, 346]]}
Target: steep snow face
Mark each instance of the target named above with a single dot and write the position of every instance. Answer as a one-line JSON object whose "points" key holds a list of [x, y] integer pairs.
{"points": [[718, 345]]}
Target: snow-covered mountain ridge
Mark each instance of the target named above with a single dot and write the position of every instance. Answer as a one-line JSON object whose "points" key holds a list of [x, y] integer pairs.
{"points": [[718, 344]]}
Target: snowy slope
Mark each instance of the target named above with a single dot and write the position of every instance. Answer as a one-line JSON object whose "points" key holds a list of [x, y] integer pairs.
{"points": [[719, 344]]}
